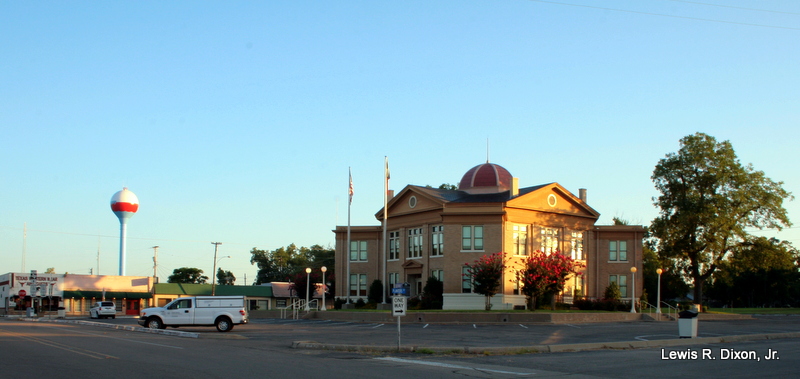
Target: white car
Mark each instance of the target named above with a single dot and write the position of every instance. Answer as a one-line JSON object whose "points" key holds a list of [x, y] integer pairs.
{"points": [[103, 309]]}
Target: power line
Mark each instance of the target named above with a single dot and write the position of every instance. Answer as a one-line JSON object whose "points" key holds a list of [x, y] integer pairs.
{"points": [[734, 7], [666, 15]]}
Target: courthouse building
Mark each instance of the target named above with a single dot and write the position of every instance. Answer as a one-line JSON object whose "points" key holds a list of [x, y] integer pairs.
{"points": [[435, 232]]}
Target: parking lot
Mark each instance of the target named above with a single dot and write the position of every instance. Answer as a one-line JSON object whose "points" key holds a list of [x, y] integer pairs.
{"points": [[489, 336]]}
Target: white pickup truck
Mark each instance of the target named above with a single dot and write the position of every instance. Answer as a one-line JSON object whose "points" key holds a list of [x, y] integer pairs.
{"points": [[221, 311]]}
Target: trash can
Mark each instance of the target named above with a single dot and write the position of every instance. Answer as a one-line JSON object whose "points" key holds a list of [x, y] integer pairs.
{"points": [[687, 324], [62, 312], [30, 312]]}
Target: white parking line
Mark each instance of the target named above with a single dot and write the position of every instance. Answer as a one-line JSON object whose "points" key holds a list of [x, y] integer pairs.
{"points": [[377, 326], [448, 365], [523, 326]]}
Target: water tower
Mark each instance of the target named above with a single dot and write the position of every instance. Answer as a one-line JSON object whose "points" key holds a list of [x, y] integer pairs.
{"points": [[124, 204]]}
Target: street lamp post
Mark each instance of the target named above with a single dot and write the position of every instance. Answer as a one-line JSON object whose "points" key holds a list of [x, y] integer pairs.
{"points": [[308, 286], [633, 289], [216, 247], [658, 293], [214, 282], [324, 287]]}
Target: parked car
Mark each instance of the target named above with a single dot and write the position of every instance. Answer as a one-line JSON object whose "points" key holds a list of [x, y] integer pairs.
{"points": [[103, 309]]}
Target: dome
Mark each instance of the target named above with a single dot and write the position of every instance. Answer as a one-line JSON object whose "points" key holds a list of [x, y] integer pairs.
{"points": [[486, 178]]}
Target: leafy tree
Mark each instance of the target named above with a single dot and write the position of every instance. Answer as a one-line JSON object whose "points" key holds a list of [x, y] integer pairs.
{"points": [[673, 285], [225, 278], [762, 273], [544, 273], [50, 270], [707, 200], [300, 284], [281, 264], [486, 274], [188, 275]]}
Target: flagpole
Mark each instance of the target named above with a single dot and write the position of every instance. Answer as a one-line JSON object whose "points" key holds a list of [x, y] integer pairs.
{"points": [[347, 247], [385, 222]]}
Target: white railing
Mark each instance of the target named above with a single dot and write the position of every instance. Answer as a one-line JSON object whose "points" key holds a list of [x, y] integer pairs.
{"points": [[652, 309], [296, 307]]}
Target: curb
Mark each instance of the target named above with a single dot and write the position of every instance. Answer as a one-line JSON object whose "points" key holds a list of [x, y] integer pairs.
{"points": [[312, 345], [139, 329]]}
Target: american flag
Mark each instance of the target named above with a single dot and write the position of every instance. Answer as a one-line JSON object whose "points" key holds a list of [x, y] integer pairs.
{"points": [[350, 190]]}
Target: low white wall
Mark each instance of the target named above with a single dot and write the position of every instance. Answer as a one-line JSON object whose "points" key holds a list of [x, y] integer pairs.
{"points": [[473, 301]]}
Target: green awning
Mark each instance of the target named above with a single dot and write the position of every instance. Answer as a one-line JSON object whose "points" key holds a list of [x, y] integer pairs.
{"points": [[109, 295]]}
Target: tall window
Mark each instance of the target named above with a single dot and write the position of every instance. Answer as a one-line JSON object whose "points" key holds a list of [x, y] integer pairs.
{"points": [[622, 283], [437, 240], [520, 235], [549, 241], [358, 250], [466, 280], [576, 245], [358, 284], [415, 243], [618, 251], [394, 245], [438, 274], [394, 278], [472, 237]]}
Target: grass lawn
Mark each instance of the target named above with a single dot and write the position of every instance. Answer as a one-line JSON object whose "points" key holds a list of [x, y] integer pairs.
{"points": [[760, 311]]}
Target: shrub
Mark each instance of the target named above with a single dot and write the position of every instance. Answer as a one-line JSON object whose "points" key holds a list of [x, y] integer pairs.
{"points": [[375, 294]]}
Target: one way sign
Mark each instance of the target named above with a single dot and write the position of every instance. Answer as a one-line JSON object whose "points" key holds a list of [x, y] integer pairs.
{"points": [[399, 305]]}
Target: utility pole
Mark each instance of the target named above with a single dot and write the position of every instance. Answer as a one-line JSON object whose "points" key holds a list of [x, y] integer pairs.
{"points": [[214, 273], [155, 264], [98, 255]]}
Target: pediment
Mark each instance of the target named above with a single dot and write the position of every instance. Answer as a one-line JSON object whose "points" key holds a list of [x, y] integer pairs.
{"points": [[412, 264], [412, 199], [553, 198]]}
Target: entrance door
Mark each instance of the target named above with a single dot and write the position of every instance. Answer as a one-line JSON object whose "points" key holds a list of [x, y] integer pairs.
{"points": [[131, 306]]}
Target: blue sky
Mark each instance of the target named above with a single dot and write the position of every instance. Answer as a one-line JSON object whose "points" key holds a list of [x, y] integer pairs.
{"points": [[237, 121]]}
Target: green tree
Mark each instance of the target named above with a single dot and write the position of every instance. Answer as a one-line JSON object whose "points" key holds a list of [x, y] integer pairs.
{"points": [[486, 274], [281, 264], [707, 200], [225, 278], [762, 273], [301, 286], [673, 285], [188, 275]]}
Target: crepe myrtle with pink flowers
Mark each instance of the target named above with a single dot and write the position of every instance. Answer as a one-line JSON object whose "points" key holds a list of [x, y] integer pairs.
{"points": [[486, 274], [544, 273]]}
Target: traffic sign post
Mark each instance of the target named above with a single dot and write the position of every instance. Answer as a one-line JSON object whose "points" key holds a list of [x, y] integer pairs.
{"points": [[399, 305]]}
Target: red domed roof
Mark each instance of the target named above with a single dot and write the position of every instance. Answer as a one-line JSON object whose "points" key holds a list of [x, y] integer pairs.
{"points": [[486, 178]]}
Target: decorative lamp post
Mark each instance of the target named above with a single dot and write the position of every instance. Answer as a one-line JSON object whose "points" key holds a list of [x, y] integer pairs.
{"points": [[308, 286], [633, 289], [324, 287], [658, 293]]}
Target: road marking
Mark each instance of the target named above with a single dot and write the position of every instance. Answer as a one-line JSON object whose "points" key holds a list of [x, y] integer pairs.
{"points": [[377, 326], [474, 327], [121, 339], [448, 365], [426, 325], [72, 349], [576, 327]]}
